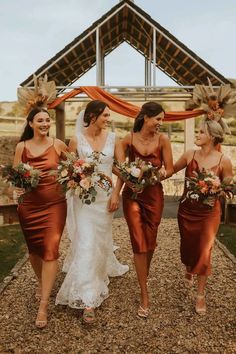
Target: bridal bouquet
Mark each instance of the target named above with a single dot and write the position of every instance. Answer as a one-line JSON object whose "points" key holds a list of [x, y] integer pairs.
{"points": [[206, 187], [81, 177], [22, 176], [138, 172]]}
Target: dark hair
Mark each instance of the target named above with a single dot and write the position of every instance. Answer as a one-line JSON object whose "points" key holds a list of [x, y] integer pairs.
{"points": [[150, 109], [28, 132], [93, 110]]}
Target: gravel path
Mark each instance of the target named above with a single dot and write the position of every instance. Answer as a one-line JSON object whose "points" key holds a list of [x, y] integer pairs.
{"points": [[173, 327]]}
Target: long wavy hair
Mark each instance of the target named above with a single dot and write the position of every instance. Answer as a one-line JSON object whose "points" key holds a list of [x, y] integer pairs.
{"points": [[150, 109], [28, 132], [93, 110]]}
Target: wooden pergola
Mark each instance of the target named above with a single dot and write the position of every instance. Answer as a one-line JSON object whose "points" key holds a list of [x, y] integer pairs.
{"points": [[126, 22]]}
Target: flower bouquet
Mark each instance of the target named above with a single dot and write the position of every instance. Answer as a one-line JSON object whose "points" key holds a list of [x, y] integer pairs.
{"points": [[81, 177], [21, 176], [206, 187], [139, 173]]}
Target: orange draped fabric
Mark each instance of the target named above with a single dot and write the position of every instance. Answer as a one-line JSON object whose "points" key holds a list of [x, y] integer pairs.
{"points": [[120, 106]]}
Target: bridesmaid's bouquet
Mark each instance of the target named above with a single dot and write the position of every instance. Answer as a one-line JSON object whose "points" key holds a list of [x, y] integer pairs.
{"points": [[139, 173], [21, 176], [81, 176], [206, 187]]}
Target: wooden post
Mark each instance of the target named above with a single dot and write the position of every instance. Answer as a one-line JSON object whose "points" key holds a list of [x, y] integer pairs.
{"points": [[189, 133], [60, 121]]}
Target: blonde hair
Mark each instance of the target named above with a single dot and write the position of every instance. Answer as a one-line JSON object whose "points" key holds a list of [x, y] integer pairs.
{"points": [[215, 130]]}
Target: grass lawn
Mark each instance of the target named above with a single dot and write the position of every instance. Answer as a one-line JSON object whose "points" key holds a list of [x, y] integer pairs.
{"points": [[12, 248], [227, 235]]}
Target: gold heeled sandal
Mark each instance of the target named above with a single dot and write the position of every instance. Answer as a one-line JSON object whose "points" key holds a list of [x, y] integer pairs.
{"points": [[200, 310], [41, 323], [144, 313]]}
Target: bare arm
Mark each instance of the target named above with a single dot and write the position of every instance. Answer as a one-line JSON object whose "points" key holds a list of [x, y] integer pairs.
{"points": [[167, 156], [183, 161], [18, 153], [17, 159], [227, 169], [120, 148], [60, 147], [73, 145]]}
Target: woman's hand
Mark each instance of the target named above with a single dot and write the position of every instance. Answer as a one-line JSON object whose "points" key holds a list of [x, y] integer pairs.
{"points": [[114, 202], [162, 173], [17, 193]]}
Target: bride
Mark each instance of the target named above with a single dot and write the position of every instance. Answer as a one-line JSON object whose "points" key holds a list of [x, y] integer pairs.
{"points": [[91, 260]]}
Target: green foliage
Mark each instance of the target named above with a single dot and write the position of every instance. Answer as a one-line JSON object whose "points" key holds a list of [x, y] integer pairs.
{"points": [[226, 235], [12, 248]]}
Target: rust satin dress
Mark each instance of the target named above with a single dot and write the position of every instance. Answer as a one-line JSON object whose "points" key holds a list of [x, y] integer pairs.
{"points": [[198, 225], [42, 213], [143, 215]]}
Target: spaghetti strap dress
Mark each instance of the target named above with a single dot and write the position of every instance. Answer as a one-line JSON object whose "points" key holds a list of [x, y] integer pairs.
{"points": [[198, 225], [42, 214], [143, 214]]}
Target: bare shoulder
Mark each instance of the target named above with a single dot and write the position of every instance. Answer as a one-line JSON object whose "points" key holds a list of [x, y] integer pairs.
{"points": [[226, 160], [20, 146], [127, 139], [59, 143], [188, 155], [74, 140], [163, 138]]}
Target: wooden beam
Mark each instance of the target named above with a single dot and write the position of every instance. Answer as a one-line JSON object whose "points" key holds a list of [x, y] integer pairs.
{"points": [[60, 121]]}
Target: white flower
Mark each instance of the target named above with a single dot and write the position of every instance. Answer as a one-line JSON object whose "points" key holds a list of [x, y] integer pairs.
{"points": [[85, 183], [135, 172], [64, 173], [195, 196], [27, 166]]}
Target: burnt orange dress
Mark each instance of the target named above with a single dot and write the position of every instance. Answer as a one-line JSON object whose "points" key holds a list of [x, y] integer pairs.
{"points": [[143, 214], [42, 213], [198, 225]]}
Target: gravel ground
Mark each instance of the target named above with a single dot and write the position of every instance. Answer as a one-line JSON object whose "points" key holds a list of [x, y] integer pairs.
{"points": [[172, 327]]}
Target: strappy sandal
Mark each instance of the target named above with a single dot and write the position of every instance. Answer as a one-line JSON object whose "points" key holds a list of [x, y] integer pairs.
{"points": [[144, 313], [200, 310], [89, 315], [41, 323]]}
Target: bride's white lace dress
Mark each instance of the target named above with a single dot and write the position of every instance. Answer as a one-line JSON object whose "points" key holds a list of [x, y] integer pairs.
{"points": [[91, 259]]}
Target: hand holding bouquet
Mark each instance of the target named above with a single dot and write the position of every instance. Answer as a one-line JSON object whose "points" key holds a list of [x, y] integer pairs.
{"points": [[206, 187], [21, 176], [81, 177], [139, 174]]}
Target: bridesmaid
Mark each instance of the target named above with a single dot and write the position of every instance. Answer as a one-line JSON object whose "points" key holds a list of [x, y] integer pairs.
{"points": [[198, 223], [42, 213], [143, 215]]}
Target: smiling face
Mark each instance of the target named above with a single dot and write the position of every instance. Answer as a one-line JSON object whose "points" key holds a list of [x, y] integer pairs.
{"points": [[154, 123], [103, 119], [203, 137], [41, 123]]}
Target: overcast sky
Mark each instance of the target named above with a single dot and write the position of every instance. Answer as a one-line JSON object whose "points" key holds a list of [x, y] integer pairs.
{"points": [[32, 31]]}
